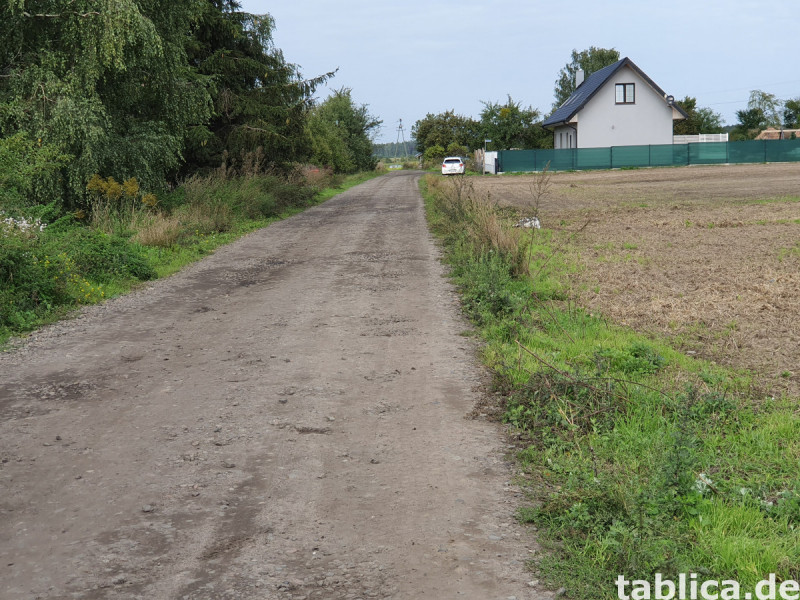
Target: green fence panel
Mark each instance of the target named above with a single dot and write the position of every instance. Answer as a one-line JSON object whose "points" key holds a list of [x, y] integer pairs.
{"points": [[593, 158], [516, 161], [662, 155], [544, 159], [680, 154], [708, 153], [630, 156], [555, 160], [750, 151], [564, 160], [783, 151]]}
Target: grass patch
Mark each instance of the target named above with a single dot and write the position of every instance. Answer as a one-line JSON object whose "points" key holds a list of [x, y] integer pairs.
{"points": [[637, 459], [51, 263]]}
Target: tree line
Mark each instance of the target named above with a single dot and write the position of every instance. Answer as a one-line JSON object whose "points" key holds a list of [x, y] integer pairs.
{"points": [[157, 90], [765, 110]]}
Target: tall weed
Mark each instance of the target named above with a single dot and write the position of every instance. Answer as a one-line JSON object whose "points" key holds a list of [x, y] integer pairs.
{"points": [[464, 214]]}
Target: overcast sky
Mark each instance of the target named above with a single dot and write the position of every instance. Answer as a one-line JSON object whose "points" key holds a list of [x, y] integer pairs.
{"points": [[407, 59]]}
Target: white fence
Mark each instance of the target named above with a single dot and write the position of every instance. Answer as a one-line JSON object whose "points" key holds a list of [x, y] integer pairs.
{"points": [[703, 137]]}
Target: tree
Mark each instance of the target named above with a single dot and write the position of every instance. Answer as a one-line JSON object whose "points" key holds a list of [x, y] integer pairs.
{"points": [[444, 129], [260, 100], [511, 125], [751, 121], [770, 107], [144, 88], [590, 60], [791, 113], [103, 82], [341, 133], [700, 120]]}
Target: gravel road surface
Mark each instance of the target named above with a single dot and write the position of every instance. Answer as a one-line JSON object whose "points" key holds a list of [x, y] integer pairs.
{"points": [[285, 419]]}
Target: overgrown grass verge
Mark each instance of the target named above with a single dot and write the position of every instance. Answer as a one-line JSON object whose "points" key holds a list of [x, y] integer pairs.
{"points": [[637, 459], [52, 263]]}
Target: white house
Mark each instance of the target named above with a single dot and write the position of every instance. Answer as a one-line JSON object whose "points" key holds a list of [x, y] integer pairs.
{"points": [[618, 105]]}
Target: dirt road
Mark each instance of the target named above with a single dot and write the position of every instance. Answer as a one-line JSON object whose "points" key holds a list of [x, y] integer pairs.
{"points": [[285, 419]]}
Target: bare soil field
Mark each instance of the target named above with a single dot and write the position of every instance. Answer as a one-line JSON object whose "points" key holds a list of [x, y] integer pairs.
{"points": [[709, 256]]}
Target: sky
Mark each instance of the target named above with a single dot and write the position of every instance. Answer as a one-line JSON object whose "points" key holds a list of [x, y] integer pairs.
{"points": [[407, 59]]}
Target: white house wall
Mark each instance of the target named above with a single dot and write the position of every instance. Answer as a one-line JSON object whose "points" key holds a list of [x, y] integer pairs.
{"points": [[603, 122], [564, 137]]}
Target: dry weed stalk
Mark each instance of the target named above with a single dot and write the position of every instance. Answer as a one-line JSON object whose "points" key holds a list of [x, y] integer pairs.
{"points": [[540, 188]]}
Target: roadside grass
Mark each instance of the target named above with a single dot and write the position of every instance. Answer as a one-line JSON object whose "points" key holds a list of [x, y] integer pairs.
{"points": [[636, 459], [51, 263]]}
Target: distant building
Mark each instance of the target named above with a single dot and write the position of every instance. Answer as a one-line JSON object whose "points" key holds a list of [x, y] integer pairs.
{"points": [[618, 105], [778, 134]]}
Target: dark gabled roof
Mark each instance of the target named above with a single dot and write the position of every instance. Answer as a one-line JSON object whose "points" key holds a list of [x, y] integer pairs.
{"points": [[586, 91]]}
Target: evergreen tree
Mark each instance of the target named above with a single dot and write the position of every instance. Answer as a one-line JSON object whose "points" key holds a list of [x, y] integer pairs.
{"points": [[260, 100]]}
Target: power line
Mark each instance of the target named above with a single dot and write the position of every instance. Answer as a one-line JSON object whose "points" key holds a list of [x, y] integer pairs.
{"points": [[749, 88]]}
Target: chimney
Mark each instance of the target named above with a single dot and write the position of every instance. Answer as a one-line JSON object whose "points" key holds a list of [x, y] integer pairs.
{"points": [[579, 77]]}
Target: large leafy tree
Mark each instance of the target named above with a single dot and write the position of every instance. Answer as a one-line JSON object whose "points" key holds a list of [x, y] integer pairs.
{"points": [[791, 113], [700, 120], [260, 100], [341, 133], [144, 88], [445, 130], [769, 105], [511, 125], [590, 60], [763, 110], [750, 122], [104, 82]]}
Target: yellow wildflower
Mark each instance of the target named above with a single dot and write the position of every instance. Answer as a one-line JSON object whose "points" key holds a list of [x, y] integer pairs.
{"points": [[131, 187]]}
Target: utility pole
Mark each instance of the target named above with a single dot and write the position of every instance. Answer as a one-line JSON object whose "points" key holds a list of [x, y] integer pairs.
{"points": [[401, 135]]}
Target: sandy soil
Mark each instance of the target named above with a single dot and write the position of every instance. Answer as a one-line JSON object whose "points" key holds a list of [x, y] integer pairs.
{"points": [[285, 419], [707, 255]]}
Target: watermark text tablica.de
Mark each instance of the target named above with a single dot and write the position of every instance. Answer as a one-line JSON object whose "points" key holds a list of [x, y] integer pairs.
{"points": [[689, 586]]}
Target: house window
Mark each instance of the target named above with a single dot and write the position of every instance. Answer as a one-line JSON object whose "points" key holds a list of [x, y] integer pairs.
{"points": [[625, 93]]}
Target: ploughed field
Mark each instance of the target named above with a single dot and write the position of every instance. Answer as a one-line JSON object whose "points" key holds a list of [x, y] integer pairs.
{"points": [[709, 256]]}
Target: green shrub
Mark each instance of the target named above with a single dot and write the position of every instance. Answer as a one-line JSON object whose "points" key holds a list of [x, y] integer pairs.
{"points": [[637, 359], [60, 266], [434, 154], [31, 282], [486, 293], [100, 257]]}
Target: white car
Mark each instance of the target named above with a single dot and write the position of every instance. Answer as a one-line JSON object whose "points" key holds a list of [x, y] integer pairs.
{"points": [[453, 165]]}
